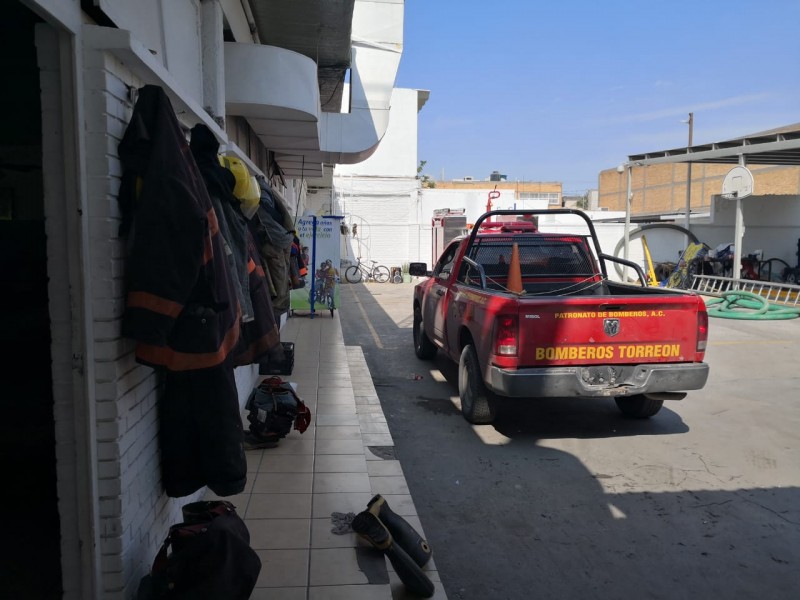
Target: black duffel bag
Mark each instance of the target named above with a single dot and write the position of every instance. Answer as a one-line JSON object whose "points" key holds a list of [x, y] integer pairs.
{"points": [[207, 557]]}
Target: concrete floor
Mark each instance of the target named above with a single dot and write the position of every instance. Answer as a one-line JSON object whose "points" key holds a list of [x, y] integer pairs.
{"points": [[336, 465], [565, 498]]}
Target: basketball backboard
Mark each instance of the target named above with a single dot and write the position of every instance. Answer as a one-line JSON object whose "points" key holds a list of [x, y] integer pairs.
{"points": [[738, 183]]}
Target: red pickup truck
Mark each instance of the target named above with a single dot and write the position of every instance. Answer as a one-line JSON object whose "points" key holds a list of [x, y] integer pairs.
{"points": [[527, 314]]}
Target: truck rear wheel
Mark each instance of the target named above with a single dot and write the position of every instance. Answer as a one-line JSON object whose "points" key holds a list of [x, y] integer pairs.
{"points": [[638, 406], [424, 348], [476, 404]]}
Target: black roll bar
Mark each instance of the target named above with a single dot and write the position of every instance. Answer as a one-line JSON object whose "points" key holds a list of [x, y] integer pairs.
{"points": [[602, 257]]}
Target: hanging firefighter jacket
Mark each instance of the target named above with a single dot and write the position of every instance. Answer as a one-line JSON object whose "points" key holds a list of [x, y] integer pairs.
{"points": [[260, 337], [271, 228], [201, 433], [181, 306], [232, 223], [260, 334], [299, 265]]}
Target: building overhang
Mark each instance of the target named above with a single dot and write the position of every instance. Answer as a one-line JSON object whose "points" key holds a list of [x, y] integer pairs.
{"points": [[276, 91], [276, 85], [364, 36]]}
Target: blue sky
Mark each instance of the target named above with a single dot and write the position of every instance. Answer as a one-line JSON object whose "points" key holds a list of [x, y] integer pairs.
{"points": [[560, 90]]}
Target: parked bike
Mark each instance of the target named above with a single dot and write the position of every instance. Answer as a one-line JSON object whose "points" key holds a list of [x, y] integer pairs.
{"points": [[359, 271]]}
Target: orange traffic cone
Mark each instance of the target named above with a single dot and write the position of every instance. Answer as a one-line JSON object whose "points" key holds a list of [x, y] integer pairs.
{"points": [[514, 272]]}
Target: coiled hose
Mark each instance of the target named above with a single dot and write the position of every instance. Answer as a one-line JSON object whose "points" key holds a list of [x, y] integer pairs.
{"points": [[747, 305]]}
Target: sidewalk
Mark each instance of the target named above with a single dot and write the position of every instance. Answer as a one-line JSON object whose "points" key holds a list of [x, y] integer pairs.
{"points": [[337, 465]]}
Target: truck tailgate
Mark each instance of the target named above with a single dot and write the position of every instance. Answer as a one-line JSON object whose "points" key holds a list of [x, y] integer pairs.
{"points": [[607, 330]]}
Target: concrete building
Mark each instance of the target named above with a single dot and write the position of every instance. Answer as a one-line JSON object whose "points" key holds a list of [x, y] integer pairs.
{"points": [[388, 212], [266, 77], [545, 194], [379, 196], [383, 201]]}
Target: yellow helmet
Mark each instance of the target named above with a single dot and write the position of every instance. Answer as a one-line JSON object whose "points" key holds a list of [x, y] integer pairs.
{"points": [[251, 199], [240, 172]]}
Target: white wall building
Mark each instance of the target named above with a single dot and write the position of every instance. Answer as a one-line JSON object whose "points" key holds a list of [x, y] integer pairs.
{"points": [[379, 196], [382, 196]]}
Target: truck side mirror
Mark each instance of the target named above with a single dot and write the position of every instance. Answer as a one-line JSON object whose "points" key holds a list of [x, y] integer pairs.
{"points": [[418, 269]]}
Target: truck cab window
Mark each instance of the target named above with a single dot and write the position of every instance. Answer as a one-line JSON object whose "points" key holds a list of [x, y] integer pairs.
{"points": [[445, 264]]}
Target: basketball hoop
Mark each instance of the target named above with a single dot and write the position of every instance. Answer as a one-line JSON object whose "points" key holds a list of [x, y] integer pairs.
{"points": [[738, 183]]}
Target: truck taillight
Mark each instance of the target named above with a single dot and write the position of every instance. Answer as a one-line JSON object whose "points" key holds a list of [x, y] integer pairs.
{"points": [[702, 330], [506, 336]]}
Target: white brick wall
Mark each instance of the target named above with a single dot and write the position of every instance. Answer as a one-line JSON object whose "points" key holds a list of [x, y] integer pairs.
{"points": [[134, 513], [385, 210]]}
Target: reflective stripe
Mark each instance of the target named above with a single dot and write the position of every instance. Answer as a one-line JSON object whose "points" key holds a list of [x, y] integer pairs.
{"points": [[213, 224], [213, 229], [186, 361], [157, 304]]}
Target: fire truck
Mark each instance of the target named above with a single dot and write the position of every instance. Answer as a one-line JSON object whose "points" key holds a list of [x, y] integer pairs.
{"points": [[447, 224]]}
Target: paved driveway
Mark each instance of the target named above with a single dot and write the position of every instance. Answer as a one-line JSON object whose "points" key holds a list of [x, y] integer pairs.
{"points": [[566, 499]]}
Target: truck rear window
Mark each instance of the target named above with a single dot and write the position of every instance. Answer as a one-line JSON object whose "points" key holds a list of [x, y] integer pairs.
{"points": [[538, 256]]}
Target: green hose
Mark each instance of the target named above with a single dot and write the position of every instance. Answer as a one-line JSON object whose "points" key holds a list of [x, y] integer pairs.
{"points": [[747, 305]]}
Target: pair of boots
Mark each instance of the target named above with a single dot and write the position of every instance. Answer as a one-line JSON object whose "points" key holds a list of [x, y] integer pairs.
{"points": [[399, 541]]}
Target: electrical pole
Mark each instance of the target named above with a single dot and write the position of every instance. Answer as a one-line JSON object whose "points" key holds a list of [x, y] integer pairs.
{"points": [[689, 173]]}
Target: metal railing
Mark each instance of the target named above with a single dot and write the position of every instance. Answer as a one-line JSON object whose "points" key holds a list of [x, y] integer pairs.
{"points": [[778, 293]]}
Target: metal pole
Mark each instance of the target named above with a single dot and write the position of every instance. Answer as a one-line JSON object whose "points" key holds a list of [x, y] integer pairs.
{"points": [[689, 176], [628, 198], [738, 234], [313, 263]]}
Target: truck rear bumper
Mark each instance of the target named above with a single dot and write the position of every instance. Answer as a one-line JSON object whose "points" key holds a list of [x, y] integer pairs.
{"points": [[596, 381]]}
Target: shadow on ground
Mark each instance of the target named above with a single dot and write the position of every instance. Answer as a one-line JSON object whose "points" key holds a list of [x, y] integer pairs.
{"points": [[511, 517]]}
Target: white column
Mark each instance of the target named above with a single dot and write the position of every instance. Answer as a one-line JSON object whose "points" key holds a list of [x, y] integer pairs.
{"points": [[61, 62], [213, 60]]}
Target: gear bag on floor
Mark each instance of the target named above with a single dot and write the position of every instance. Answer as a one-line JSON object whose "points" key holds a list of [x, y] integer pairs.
{"points": [[206, 557], [274, 407]]}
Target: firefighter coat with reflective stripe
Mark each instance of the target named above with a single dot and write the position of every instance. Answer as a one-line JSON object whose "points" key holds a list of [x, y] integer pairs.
{"points": [[259, 332], [181, 306]]}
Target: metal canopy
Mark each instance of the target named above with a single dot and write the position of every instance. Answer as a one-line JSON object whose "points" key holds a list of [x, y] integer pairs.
{"points": [[775, 147]]}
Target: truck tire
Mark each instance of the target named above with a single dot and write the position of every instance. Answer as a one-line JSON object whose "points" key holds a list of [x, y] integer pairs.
{"points": [[638, 406], [424, 348], [477, 406]]}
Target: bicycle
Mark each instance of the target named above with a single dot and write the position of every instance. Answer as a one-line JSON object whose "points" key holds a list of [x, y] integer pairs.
{"points": [[358, 271], [324, 290]]}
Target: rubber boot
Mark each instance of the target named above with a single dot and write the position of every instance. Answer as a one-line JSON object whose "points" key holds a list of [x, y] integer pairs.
{"points": [[402, 532], [370, 527]]}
